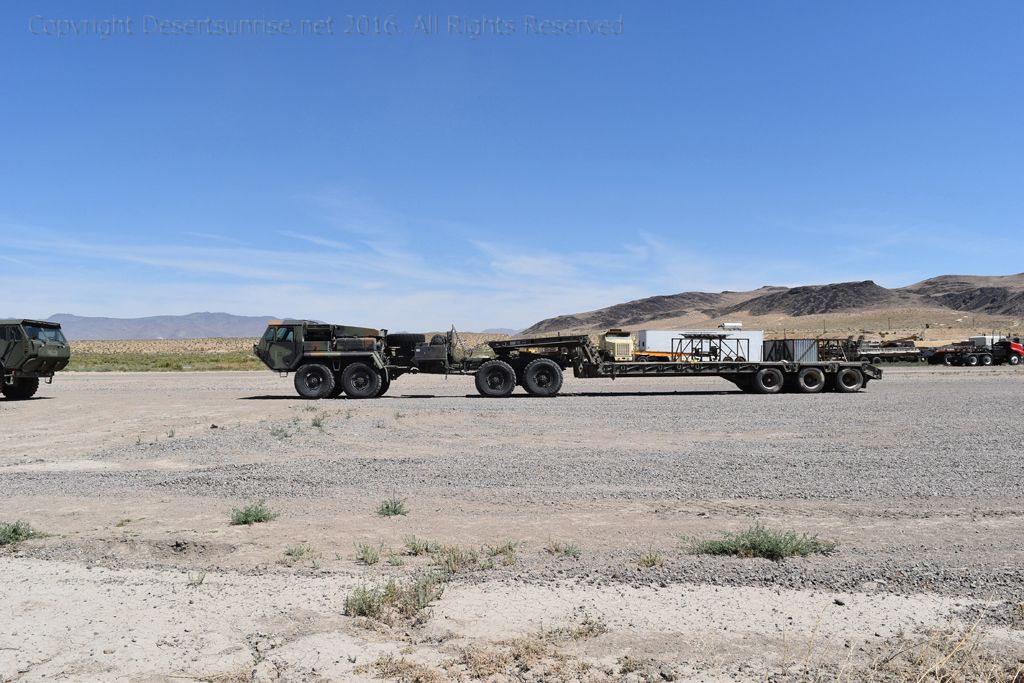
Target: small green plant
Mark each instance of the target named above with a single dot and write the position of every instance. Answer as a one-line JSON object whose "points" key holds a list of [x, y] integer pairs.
{"points": [[123, 522], [138, 441], [195, 579], [406, 600], [650, 558], [453, 559], [392, 507], [759, 541], [279, 432], [367, 554], [589, 627], [252, 514], [559, 549], [364, 601], [318, 422], [297, 551], [416, 546], [395, 560], [628, 665], [506, 552], [170, 434], [348, 414], [399, 415], [13, 533]]}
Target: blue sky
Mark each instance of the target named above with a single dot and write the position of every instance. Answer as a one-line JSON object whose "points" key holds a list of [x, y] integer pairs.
{"points": [[414, 180]]}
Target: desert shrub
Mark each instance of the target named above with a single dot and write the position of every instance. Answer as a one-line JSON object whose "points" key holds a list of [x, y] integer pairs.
{"points": [[252, 514], [15, 532], [392, 507], [759, 541]]}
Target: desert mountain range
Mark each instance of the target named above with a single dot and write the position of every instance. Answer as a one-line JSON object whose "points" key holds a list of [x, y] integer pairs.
{"points": [[944, 300], [948, 302]]}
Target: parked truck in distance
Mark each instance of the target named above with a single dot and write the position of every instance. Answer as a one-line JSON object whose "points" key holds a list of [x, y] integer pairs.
{"points": [[30, 350], [982, 350], [361, 362]]}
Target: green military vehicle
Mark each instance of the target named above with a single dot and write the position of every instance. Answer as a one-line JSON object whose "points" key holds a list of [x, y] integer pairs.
{"points": [[30, 350], [329, 360]]}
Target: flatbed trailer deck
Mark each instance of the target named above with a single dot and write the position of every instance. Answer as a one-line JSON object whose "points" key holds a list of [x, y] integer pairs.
{"points": [[528, 357]]}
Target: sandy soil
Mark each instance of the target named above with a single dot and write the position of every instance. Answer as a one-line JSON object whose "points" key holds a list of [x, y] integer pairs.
{"points": [[141, 577]]}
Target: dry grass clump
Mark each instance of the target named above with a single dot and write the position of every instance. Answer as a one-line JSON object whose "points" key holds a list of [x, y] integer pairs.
{"points": [[394, 602], [418, 546], [401, 670], [759, 541], [650, 558], [947, 656], [560, 549]]}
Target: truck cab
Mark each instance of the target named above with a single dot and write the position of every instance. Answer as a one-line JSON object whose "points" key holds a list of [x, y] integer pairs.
{"points": [[30, 350], [327, 360]]}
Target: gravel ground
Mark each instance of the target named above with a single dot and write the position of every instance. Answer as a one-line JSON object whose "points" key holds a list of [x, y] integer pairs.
{"points": [[919, 479]]}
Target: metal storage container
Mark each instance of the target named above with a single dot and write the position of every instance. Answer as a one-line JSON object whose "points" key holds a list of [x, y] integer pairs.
{"points": [[793, 350]]}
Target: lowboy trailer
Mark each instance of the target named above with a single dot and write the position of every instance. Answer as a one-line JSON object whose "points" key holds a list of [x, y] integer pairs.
{"points": [[536, 365], [330, 360]]}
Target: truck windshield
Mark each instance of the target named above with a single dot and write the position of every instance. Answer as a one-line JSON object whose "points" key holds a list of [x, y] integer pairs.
{"points": [[44, 333]]}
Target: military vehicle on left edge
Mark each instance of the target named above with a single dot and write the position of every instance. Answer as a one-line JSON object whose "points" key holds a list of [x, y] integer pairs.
{"points": [[30, 350]]}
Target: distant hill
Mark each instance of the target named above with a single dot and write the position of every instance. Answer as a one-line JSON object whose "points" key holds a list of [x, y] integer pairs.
{"points": [[500, 330], [191, 326], [1000, 295]]}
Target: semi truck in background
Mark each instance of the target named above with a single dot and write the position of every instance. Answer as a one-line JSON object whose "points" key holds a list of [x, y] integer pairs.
{"points": [[978, 351], [361, 362]]}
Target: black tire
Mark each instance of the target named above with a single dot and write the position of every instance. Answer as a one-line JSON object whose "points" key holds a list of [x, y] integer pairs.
{"points": [[542, 377], [876, 361], [986, 360], [1014, 359], [339, 389], [495, 379], [406, 340], [971, 360], [314, 381], [949, 359], [385, 383], [360, 380], [848, 380], [810, 381], [768, 381], [23, 388]]}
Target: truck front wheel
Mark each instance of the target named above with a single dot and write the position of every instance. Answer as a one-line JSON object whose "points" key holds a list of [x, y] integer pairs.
{"points": [[23, 388], [542, 377], [360, 381], [314, 381], [495, 379], [1014, 359], [949, 359]]}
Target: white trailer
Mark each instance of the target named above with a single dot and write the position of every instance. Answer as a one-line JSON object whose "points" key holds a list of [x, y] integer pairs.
{"points": [[729, 344]]}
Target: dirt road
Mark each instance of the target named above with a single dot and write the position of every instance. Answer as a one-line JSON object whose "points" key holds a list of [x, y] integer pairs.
{"points": [[141, 576]]}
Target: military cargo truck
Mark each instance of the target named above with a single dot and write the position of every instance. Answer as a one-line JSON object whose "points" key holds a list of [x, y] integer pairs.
{"points": [[30, 350], [361, 362]]}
